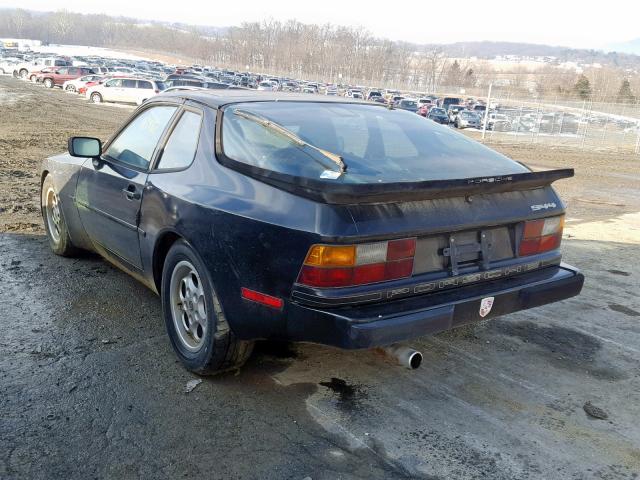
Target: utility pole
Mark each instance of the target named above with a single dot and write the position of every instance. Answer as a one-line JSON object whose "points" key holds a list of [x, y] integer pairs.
{"points": [[486, 111]]}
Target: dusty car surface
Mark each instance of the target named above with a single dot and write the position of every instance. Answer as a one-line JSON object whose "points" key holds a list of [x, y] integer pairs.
{"points": [[320, 219]]}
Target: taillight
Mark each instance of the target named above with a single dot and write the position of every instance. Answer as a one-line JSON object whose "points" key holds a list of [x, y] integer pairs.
{"points": [[348, 265], [541, 235]]}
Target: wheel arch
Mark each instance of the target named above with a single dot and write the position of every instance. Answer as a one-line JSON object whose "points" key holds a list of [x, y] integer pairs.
{"points": [[163, 244]]}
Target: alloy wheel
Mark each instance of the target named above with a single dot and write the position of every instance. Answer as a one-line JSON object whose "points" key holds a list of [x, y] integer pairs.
{"points": [[188, 307], [52, 207]]}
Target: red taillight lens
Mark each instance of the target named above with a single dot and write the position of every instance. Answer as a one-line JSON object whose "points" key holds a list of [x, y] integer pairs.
{"points": [[326, 277], [399, 249], [541, 235], [348, 265]]}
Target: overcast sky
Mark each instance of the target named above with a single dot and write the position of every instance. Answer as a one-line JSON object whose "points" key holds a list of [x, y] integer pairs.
{"points": [[573, 23]]}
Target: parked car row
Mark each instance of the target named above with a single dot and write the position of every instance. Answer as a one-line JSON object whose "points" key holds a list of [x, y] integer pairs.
{"points": [[135, 81]]}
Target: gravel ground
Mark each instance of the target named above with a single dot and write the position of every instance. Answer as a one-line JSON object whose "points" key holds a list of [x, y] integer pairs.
{"points": [[90, 388]]}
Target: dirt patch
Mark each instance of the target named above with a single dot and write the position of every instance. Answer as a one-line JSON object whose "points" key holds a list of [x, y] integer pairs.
{"points": [[36, 123]]}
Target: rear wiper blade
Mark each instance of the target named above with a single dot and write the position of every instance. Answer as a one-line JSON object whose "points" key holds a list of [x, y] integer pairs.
{"points": [[274, 127]]}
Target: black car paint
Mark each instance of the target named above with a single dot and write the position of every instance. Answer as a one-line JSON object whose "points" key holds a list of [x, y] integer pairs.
{"points": [[251, 234]]}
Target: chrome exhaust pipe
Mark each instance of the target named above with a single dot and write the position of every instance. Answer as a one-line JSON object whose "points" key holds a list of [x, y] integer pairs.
{"points": [[405, 356]]}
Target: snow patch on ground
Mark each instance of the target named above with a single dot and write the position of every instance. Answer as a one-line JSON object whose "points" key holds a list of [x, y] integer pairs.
{"points": [[79, 50]]}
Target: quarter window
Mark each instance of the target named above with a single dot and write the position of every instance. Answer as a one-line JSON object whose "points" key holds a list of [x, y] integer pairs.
{"points": [[183, 142], [137, 142]]}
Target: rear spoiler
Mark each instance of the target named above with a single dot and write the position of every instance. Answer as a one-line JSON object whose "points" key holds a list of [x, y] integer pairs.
{"points": [[428, 190], [371, 193]]}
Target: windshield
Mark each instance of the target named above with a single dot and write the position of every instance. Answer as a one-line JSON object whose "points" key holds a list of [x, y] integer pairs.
{"points": [[375, 144], [437, 111]]}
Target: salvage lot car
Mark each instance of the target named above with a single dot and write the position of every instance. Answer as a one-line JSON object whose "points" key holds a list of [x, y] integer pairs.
{"points": [[326, 220], [124, 90]]}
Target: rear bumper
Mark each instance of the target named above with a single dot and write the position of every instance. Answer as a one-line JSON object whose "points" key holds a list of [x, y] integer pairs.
{"points": [[374, 325]]}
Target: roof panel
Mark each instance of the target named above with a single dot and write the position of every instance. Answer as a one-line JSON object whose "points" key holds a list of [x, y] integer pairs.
{"points": [[219, 98]]}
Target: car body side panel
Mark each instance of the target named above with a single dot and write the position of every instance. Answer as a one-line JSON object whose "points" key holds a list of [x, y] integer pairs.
{"points": [[247, 233]]}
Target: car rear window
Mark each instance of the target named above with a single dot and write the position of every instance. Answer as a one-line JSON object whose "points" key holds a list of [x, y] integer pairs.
{"points": [[377, 145]]}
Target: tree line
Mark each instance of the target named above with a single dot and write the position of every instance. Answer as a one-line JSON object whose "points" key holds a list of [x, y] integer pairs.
{"points": [[330, 53]]}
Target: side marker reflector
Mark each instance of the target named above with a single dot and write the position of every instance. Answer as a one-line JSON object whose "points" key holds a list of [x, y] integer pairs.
{"points": [[261, 298]]}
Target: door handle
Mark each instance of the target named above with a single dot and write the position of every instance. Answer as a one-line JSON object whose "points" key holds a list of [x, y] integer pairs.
{"points": [[131, 192]]}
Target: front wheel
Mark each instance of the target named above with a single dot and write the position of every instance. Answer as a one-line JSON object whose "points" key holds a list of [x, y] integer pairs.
{"points": [[54, 223], [48, 83], [96, 97], [70, 88], [197, 327]]}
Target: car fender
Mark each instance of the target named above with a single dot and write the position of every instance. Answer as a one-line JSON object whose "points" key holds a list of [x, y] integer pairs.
{"points": [[65, 170]]}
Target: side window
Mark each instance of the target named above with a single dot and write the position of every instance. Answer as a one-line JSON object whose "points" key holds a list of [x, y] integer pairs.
{"points": [[116, 82], [180, 149], [144, 84], [136, 143], [62, 71], [129, 83]]}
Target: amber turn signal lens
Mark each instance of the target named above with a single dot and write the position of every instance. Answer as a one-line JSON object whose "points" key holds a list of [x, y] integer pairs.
{"points": [[331, 256]]}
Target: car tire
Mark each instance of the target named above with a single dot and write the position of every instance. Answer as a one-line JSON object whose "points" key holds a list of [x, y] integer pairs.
{"points": [[24, 74], [54, 223], [96, 97], [196, 324], [70, 89], [48, 83], [33, 79]]}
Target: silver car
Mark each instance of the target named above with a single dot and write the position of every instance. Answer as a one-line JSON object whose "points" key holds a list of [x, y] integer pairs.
{"points": [[467, 119]]}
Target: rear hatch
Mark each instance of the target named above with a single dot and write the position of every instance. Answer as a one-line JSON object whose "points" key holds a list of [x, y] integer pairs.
{"points": [[432, 208]]}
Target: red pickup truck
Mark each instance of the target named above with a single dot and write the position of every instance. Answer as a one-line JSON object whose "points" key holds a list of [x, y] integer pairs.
{"points": [[56, 77]]}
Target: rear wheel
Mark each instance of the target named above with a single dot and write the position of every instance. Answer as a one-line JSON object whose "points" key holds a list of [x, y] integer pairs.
{"points": [[71, 88], [197, 327], [96, 97], [24, 73], [54, 223]]}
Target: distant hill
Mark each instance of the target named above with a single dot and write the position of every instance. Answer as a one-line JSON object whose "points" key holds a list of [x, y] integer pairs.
{"points": [[632, 47], [488, 50]]}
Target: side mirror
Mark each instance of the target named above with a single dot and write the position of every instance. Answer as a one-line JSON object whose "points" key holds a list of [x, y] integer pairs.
{"points": [[85, 147]]}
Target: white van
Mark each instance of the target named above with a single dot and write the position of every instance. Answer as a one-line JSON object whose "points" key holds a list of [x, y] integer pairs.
{"points": [[125, 90]]}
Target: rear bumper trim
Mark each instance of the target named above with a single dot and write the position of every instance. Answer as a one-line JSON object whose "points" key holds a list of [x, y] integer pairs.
{"points": [[400, 320]]}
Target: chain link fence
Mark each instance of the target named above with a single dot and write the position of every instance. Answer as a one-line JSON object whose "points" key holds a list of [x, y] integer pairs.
{"points": [[575, 123]]}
